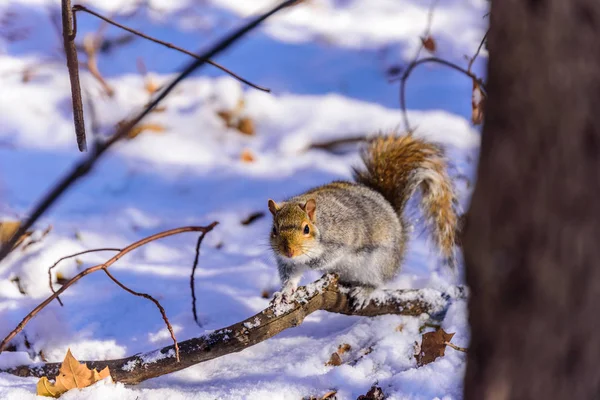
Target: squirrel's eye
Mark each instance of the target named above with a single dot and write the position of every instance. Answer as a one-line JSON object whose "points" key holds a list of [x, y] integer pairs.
{"points": [[274, 231], [306, 230]]}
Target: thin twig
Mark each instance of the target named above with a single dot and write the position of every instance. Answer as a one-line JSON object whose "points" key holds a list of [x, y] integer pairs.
{"points": [[330, 145], [472, 59], [85, 166], [152, 299], [436, 60], [192, 284], [67, 257], [455, 347], [426, 34], [98, 267], [69, 30], [79, 7]]}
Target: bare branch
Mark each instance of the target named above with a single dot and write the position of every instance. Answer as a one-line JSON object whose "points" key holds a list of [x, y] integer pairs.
{"points": [[67, 257], [98, 267], [85, 166], [472, 59], [152, 299], [323, 294], [436, 60], [78, 7], [69, 30]]}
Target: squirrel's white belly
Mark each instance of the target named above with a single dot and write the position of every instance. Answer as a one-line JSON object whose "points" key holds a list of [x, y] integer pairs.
{"points": [[366, 269]]}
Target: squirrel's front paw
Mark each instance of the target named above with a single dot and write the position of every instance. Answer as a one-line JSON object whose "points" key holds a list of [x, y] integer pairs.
{"points": [[360, 297], [284, 296]]}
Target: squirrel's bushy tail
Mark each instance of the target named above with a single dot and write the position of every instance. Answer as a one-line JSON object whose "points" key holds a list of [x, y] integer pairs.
{"points": [[396, 166]]}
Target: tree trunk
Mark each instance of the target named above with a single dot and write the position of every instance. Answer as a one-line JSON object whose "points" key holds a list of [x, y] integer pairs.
{"points": [[531, 243]]}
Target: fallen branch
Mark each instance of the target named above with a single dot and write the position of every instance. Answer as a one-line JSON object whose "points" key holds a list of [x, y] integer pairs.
{"points": [[99, 267], [85, 166], [79, 7], [68, 32], [323, 294]]}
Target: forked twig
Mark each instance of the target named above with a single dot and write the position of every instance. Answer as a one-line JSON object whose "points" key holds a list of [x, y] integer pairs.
{"points": [[152, 299], [67, 257], [435, 60], [98, 267]]}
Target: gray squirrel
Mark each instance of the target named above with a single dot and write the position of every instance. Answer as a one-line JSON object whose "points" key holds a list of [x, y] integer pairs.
{"points": [[357, 229]]}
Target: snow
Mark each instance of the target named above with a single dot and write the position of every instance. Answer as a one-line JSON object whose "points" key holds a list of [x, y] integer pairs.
{"points": [[326, 63]]}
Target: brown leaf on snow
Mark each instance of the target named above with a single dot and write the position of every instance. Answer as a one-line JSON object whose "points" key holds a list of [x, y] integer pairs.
{"points": [[375, 393], [246, 126], [477, 104], [433, 345], [344, 348], [71, 375], [247, 156], [334, 360], [150, 127]]}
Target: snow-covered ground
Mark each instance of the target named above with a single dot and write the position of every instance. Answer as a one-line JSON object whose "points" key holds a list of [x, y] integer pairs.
{"points": [[326, 63]]}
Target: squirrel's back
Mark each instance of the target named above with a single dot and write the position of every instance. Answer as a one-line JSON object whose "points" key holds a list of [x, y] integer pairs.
{"points": [[354, 214], [396, 166]]}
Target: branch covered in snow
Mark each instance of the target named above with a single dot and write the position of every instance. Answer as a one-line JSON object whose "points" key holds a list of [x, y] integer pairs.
{"points": [[324, 294]]}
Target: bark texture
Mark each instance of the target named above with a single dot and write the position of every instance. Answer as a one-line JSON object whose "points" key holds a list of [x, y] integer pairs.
{"points": [[531, 238], [323, 294]]}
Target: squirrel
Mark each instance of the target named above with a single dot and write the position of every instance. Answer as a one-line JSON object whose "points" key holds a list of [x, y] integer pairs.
{"points": [[357, 230]]}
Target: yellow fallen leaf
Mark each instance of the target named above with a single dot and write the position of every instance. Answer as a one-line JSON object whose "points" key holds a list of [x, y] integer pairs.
{"points": [[46, 388], [72, 375]]}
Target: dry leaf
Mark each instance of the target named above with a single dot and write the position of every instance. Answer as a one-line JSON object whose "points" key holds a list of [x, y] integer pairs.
{"points": [[335, 360], [344, 348], [265, 294], [8, 229], [329, 395], [433, 345], [136, 130], [375, 393], [428, 44], [477, 104], [71, 375], [151, 86], [246, 126], [399, 328], [247, 156], [226, 116]]}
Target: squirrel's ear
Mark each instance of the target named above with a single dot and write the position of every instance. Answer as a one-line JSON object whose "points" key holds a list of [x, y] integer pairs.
{"points": [[273, 207], [310, 207]]}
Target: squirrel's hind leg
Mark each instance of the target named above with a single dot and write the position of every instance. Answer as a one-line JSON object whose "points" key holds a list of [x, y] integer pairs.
{"points": [[360, 296]]}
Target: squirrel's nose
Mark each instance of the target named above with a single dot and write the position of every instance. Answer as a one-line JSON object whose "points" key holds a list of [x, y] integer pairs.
{"points": [[287, 250]]}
